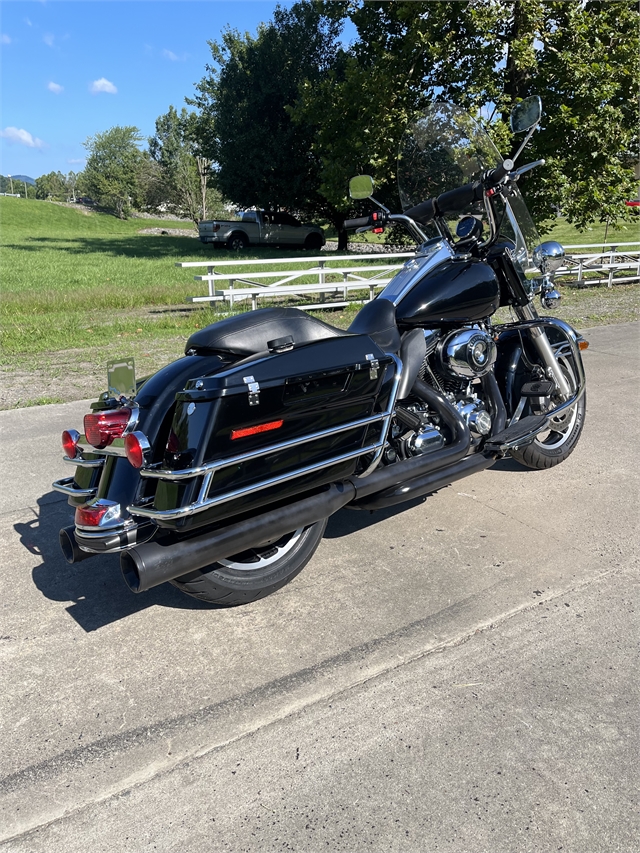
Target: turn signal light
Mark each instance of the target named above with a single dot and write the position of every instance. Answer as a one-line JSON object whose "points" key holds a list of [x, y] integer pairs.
{"points": [[582, 344], [136, 446], [101, 428], [254, 430], [70, 438]]}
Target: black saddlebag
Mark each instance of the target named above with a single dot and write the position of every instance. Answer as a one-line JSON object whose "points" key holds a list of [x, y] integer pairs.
{"points": [[272, 426]]}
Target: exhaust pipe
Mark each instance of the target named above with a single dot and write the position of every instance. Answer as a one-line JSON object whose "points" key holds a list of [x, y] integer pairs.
{"points": [[70, 548], [154, 563]]}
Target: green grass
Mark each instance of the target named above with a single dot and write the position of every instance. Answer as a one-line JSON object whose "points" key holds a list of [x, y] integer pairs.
{"points": [[72, 279], [93, 283], [569, 235]]}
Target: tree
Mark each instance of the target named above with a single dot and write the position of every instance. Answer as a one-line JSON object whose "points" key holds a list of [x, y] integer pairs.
{"points": [[184, 171], [579, 55], [52, 185], [261, 156], [112, 173]]}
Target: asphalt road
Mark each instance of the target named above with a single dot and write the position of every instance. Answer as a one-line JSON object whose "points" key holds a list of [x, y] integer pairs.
{"points": [[459, 676]]}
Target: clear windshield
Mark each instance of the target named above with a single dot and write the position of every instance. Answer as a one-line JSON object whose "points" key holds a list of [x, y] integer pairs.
{"points": [[446, 148]]}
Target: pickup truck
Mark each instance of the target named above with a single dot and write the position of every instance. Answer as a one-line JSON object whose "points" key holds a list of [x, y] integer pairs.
{"points": [[261, 228]]}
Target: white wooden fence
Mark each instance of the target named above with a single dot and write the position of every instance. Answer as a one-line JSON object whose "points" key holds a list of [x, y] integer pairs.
{"points": [[333, 278]]}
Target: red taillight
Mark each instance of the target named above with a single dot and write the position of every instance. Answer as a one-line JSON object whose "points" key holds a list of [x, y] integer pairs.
{"points": [[70, 439], [90, 516], [254, 430], [101, 428], [135, 446]]}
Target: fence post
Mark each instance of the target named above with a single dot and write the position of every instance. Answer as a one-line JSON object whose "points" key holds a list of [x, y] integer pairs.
{"points": [[611, 259], [321, 275], [210, 272], [231, 283]]}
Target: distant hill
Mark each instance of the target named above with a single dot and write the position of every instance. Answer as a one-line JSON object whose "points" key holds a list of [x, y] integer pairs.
{"points": [[24, 178]]}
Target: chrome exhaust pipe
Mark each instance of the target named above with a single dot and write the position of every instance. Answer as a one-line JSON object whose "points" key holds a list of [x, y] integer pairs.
{"points": [[70, 548], [154, 563]]}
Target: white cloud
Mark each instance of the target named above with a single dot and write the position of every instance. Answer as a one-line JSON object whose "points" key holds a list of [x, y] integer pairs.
{"points": [[103, 85], [173, 57], [22, 137], [76, 160], [48, 39], [56, 88], [28, 22], [4, 39]]}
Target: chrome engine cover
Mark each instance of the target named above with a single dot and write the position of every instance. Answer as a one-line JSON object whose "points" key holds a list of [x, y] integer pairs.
{"points": [[467, 353]]}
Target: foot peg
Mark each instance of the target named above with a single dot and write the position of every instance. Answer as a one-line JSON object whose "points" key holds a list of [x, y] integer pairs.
{"points": [[522, 432], [537, 388]]}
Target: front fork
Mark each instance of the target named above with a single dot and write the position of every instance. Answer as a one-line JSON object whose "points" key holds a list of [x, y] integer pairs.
{"points": [[541, 342]]}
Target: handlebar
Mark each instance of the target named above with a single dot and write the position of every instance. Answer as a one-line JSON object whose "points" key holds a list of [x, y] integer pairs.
{"points": [[363, 222]]}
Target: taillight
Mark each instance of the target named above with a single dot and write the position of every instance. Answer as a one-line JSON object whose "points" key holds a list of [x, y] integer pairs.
{"points": [[100, 514], [70, 438], [101, 428], [90, 516], [136, 447]]}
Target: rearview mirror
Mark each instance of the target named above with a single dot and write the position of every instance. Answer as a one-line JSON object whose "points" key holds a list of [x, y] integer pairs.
{"points": [[526, 114], [361, 186]]}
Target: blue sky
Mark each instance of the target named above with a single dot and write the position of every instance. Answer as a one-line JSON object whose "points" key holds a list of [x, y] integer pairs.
{"points": [[73, 69]]}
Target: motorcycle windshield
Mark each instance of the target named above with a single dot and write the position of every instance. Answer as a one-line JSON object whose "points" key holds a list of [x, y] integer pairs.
{"points": [[445, 149]]}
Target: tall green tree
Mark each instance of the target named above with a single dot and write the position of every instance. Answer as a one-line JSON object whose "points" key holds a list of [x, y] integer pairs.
{"points": [[184, 170], [261, 156], [114, 165], [52, 185], [580, 56]]}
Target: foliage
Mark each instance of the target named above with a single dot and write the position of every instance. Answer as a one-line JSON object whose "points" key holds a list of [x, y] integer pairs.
{"points": [[183, 169], [53, 185], [262, 157], [114, 168], [581, 57], [16, 187]]}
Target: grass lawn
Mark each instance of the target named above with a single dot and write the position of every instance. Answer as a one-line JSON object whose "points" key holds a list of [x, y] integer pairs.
{"points": [[79, 288]]}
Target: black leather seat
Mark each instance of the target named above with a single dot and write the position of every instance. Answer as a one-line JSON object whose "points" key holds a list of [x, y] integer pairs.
{"points": [[247, 334]]}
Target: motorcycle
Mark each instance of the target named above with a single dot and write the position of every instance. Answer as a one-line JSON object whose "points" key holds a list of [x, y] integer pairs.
{"points": [[219, 472]]}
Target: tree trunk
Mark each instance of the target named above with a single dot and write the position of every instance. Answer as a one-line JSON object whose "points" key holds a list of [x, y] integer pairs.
{"points": [[343, 237]]}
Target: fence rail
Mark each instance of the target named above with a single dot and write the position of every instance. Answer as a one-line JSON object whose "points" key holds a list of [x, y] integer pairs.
{"points": [[324, 276]]}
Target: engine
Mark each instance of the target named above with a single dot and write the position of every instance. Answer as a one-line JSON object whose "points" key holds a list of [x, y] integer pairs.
{"points": [[454, 365]]}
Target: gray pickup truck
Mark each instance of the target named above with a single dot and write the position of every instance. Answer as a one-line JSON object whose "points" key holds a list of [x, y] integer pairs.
{"points": [[261, 228]]}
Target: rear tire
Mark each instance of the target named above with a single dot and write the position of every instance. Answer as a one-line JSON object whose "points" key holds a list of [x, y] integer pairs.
{"points": [[237, 243], [255, 573]]}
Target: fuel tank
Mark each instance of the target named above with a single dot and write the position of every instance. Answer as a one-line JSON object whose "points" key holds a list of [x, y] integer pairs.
{"points": [[458, 290]]}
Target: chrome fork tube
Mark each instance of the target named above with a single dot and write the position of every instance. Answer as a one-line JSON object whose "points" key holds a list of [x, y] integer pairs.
{"points": [[541, 343]]}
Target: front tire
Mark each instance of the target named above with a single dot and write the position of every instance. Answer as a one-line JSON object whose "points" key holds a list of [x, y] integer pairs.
{"points": [[313, 243], [553, 446], [256, 572]]}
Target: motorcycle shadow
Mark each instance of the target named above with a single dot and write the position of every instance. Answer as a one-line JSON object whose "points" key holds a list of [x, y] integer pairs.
{"points": [[348, 521], [97, 593]]}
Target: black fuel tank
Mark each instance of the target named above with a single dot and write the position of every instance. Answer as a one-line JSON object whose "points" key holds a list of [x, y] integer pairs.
{"points": [[457, 291]]}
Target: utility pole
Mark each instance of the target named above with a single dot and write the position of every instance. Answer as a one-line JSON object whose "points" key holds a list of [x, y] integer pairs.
{"points": [[11, 182], [26, 194]]}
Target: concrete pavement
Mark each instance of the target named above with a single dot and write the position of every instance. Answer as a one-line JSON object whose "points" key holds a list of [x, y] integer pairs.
{"points": [[123, 716]]}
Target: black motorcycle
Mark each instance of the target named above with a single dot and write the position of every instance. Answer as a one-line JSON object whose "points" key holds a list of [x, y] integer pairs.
{"points": [[219, 472]]}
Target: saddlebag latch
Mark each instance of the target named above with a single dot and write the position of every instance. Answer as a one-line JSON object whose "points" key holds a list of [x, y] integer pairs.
{"points": [[374, 365], [253, 388]]}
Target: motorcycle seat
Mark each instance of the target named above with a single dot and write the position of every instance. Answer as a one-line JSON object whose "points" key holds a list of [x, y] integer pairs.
{"points": [[250, 333]]}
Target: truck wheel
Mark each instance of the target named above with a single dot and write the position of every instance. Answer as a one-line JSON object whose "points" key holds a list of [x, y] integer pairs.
{"points": [[313, 242], [237, 243], [255, 573]]}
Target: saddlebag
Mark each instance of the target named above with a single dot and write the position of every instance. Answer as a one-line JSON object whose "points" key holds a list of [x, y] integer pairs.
{"points": [[271, 426]]}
